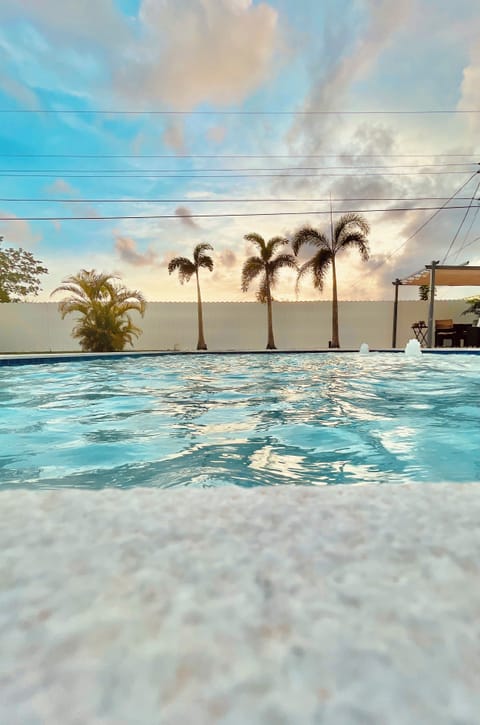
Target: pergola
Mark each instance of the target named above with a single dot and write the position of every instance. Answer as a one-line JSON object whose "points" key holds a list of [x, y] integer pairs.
{"points": [[435, 274]]}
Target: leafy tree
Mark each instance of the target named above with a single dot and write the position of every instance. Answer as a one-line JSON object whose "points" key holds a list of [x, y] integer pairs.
{"points": [[268, 267], [424, 292], [473, 306], [103, 304], [186, 268], [350, 231], [19, 274]]}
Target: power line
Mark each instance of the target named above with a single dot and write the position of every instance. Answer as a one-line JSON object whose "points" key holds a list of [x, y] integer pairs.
{"points": [[177, 175], [236, 156], [66, 200], [242, 169], [444, 207], [467, 234], [468, 245], [156, 112], [215, 216], [461, 223]]}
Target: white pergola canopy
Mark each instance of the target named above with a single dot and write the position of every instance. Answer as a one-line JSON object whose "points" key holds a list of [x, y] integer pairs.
{"points": [[445, 275], [433, 275]]}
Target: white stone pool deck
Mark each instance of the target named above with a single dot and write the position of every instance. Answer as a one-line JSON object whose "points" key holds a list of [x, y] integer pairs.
{"points": [[278, 606]]}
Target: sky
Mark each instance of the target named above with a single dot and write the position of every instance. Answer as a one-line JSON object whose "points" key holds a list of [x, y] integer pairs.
{"points": [[172, 110]]}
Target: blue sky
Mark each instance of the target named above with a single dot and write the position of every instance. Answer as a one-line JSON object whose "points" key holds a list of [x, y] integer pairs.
{"points": [[63, 61]]}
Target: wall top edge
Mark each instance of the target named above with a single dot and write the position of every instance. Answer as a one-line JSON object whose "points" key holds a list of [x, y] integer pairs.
{"points": [[253, 302]]}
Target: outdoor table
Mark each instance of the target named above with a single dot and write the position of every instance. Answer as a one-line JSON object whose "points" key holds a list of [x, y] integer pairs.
{"points": [[420, 332]]}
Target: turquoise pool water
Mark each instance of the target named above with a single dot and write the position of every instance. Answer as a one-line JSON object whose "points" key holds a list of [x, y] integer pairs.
{"points": [[241, 419]]}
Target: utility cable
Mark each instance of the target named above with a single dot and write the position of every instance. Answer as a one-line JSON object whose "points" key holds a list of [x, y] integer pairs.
{"points": [[353, 154], [156, 112], [216, 216], [176, 175], [419, 229], [190, 200], [461, 223], [467, 234], [365, 167]]}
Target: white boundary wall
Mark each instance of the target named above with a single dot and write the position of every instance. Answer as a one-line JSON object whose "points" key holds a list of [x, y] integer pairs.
{"points": [[38, 327]]}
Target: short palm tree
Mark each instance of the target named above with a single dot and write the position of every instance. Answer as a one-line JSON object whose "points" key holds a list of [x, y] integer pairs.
{"points": [[186, 268], [268, 267], [103, 304], [350, 231]]}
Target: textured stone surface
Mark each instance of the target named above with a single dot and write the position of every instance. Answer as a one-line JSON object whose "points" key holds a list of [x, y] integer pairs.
{"points": [[267, 606]]}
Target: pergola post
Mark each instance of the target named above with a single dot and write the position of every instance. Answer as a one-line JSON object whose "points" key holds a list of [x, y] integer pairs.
{"points": [[431, 305], [397, 283]]}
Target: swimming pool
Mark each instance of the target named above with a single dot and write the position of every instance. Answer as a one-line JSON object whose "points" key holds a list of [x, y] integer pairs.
{"points": [[249, 420]]}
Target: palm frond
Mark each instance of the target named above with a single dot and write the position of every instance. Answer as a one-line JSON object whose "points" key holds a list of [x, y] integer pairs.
{"points": [[261, 294], [252, 267], [358, 240], [205, 261], [311, 236], [198, 251], [274, 243], [283, 260], [317, 266], [103, 305], [256, 239], [184, 266], [347, 224]]}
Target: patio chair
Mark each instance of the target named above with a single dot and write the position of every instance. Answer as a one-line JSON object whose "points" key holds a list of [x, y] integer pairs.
{"points": [[444, 330]]}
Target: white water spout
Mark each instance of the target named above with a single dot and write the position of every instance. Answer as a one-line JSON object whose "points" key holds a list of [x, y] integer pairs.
{"points": [[364, 349], [413, 349]]}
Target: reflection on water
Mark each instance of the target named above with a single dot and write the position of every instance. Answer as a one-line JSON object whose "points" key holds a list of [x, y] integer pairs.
{"points": [[241, 419]]}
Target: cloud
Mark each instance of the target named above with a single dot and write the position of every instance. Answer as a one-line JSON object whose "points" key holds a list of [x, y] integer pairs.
{"points": [[93, 22], [17, 232], [227, 258], [470, 88], [60, 186], [25, 96], [174, 136], [185, 215], [128, 252], [213, 51], [216, 134], [167, 257], [331, 84]]}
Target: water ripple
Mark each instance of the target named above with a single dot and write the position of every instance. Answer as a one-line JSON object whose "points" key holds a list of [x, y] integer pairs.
{"points": [[247, 420]]}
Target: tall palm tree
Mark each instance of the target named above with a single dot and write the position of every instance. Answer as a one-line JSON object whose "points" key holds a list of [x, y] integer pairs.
{"points": [[268, 267], [186, 268], [350, 231], [104, 324]]}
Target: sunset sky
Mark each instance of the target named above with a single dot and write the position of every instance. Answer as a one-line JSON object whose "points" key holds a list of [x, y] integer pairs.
{"points": [[66, 63]]}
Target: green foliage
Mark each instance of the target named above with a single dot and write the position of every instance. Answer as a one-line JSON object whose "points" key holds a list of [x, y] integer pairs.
{"points": [[350, 231], [186, 268], [424, 292], [265, 264], [19, 274], [474, 306], [103, 304]]}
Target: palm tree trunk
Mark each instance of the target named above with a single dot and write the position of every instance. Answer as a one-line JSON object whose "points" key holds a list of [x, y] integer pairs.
{"points": [[271, 341], [335, 338], [201, 344]]}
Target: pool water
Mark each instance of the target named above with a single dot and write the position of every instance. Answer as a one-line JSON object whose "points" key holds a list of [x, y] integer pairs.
{"points": [[250, 420]]}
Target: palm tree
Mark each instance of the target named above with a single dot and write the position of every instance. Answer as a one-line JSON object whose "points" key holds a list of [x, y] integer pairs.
{"points": [[104, 324], [268, 266], [350, 231], [185, 270]]}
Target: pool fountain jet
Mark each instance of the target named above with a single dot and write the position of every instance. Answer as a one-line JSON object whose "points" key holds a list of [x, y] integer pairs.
{"points": [[413, 349], [364, 349]]}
